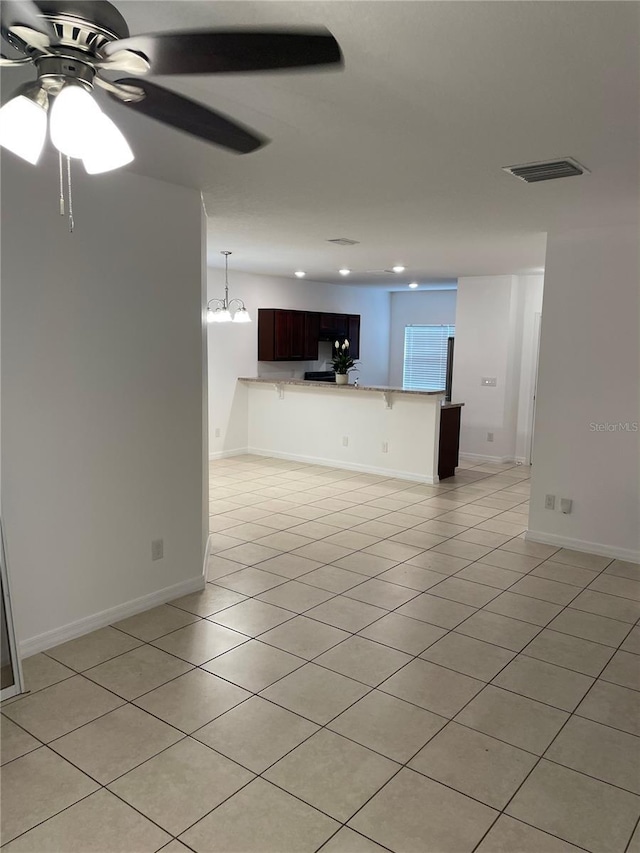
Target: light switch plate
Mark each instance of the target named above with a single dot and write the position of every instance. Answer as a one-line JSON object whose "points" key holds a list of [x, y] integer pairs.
{"points": [[489, 381]]}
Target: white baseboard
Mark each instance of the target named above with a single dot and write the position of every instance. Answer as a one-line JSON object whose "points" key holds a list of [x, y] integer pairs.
{"points": [[482, 457], [347, 466], [225, 454], [582, 545], [49, 639]]}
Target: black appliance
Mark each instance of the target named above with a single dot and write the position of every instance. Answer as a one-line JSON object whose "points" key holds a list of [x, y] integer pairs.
{"points": [[320, 376], [449, 386]]}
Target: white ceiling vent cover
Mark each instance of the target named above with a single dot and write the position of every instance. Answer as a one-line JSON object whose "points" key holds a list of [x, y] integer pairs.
{"points": [[343, 241], [547, 170]]}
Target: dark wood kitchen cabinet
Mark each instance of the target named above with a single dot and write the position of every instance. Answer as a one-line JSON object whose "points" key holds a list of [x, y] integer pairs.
{"points": [[337, 327], [286, 335]]}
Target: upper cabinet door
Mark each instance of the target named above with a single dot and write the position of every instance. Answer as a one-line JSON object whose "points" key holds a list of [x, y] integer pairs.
{"points": [[297, 340], [266, 334], [353, 335], [289, 339], [311, 335], [333, 327]]}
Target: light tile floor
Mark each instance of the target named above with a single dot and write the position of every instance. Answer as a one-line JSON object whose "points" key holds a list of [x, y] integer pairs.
{"points": [[373, 665]]}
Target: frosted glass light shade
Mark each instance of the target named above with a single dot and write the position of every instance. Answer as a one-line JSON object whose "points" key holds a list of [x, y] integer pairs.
{"points": [[73, 121], [210, 315], [23, 128], [221, 316], [241, 316], [108, 149]]}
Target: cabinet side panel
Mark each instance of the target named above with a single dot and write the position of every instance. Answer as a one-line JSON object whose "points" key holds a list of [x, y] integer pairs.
{"points": [[266, 342]]}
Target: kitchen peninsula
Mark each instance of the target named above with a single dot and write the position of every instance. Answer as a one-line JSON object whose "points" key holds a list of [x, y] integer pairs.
{"points": [[374, 429]]}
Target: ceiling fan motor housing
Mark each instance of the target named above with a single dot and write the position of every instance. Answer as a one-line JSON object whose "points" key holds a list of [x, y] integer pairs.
{"points": [[55, 71], [91, 24]]}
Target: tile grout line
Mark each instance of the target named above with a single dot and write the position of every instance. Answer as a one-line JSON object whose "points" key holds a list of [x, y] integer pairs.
{"points": [[255, 637], [543, 754]]}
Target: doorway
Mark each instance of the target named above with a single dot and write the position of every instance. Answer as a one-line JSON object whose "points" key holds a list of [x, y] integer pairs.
{"points": [[10, 670]]}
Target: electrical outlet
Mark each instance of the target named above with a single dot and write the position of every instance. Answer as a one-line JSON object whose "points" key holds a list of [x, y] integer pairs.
{"points": [[345, 441], [385, 446], [157, 549], [217, 432], [489, 436], [565, 505], [549, 501]]}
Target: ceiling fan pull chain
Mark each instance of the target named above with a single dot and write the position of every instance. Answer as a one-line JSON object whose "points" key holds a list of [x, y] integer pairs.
{"points": [[70, 195], [61, 184]]}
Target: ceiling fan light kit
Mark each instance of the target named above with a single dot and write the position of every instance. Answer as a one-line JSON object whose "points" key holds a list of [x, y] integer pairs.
{"points": [[77, 126]]}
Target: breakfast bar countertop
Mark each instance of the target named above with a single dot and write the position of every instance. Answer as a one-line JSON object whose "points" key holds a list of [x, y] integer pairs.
{"points": [[309, 383]]}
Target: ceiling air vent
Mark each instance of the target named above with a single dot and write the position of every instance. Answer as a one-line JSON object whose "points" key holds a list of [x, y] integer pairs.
{"points": [[343, 241], [546, 171]]}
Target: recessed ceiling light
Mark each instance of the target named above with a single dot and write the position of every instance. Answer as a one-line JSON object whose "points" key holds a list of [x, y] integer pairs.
{"points": [[344, 272], [398, 268], [413, 285], [299, 273]]}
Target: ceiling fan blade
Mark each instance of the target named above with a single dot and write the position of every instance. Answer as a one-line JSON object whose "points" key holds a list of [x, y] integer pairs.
{"points": [[33, 38], [120, 92], [191, 117], [6, 62], [125, 60], [22, 13], [219, 52]]}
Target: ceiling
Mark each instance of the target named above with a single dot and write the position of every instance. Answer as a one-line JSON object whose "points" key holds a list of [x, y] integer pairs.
{"points": [[402, 150]]}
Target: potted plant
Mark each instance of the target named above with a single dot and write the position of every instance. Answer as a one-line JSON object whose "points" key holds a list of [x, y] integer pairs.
{"points": [[342, 362]]}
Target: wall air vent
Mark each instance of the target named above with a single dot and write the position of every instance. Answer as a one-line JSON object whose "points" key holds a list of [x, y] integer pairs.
{"points": [[548, 170], [343, 241]]}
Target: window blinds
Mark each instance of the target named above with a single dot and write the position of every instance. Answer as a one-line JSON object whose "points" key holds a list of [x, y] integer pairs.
{"points": [[425, 357]]}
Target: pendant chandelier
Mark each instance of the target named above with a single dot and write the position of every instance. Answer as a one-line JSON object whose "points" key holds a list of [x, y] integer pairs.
{"points": [[219, 310]]}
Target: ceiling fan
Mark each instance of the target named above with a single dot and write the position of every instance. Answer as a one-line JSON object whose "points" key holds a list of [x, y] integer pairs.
{"points": [[76, 45]]}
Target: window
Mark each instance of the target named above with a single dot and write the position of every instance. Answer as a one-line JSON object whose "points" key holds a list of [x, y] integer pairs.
{"points": [[425, 357]]}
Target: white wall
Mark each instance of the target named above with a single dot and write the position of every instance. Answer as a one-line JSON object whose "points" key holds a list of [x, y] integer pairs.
{"points": [[495, 321], [420, 307], [233, 349], [589, 374], [483, 318], [102, 379]]}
